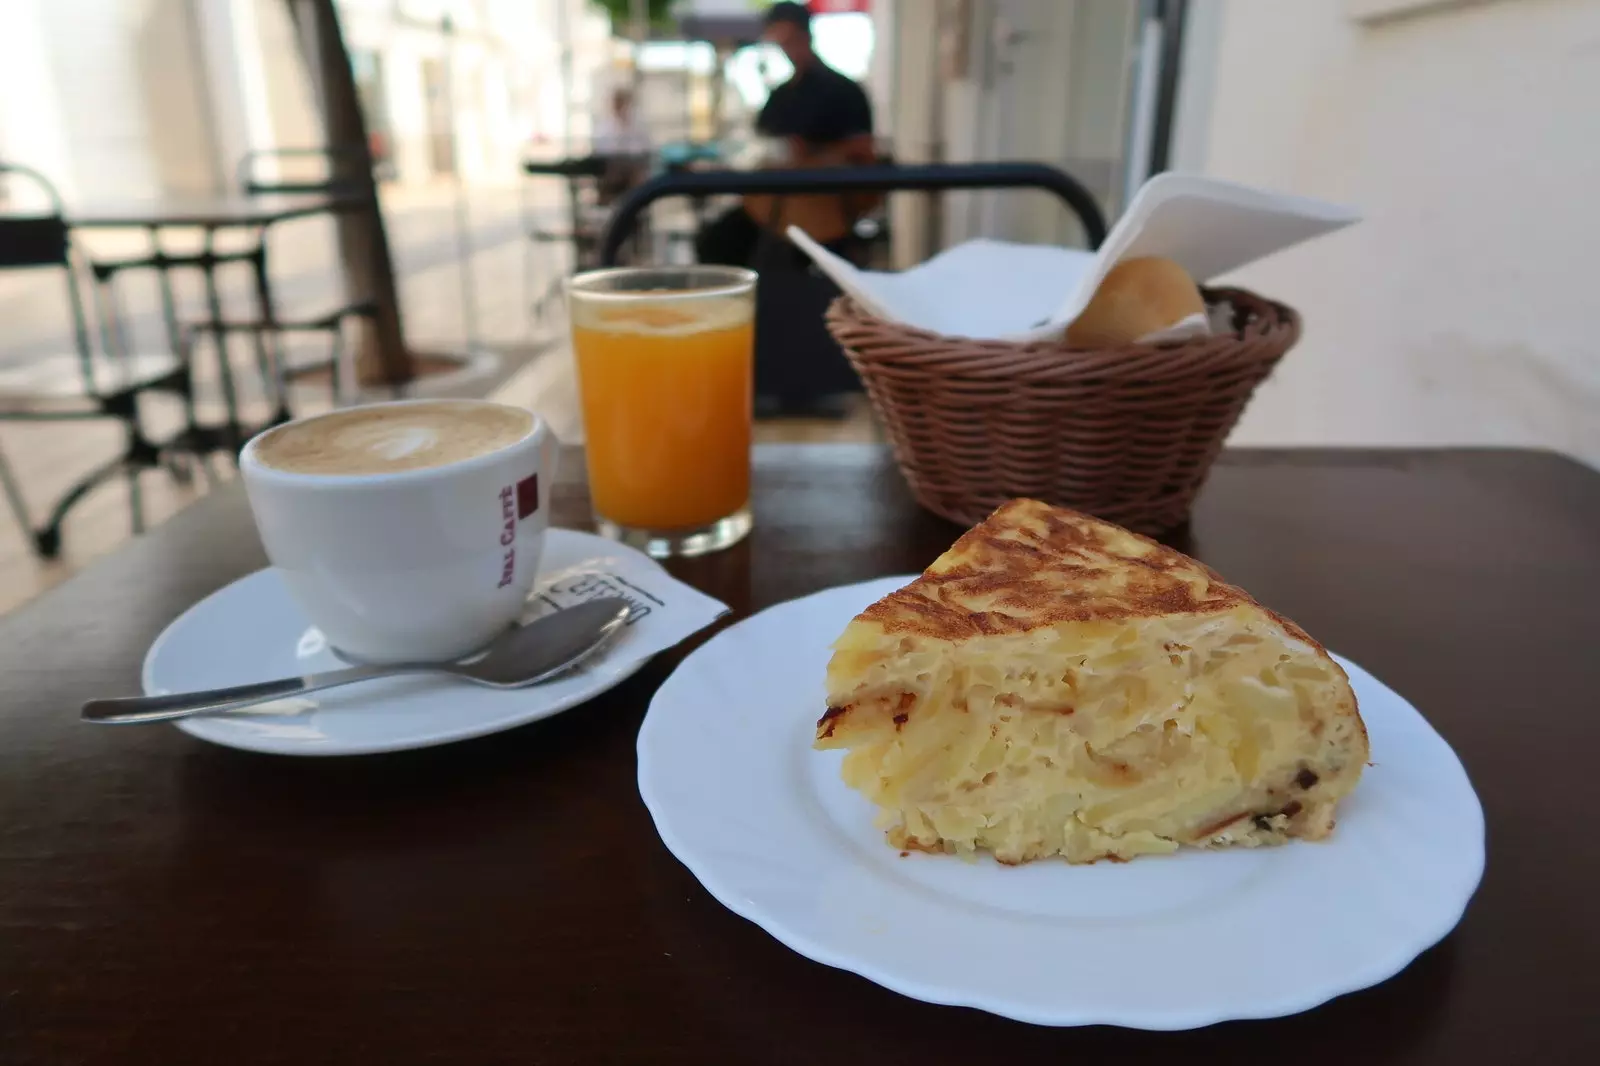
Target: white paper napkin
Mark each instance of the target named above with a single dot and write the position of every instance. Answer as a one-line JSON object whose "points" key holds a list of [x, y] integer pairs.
{"points": [[997, 290], [664, 609]]}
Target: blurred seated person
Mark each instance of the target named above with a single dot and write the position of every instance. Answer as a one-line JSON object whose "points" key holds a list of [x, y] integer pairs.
{"points": [[623, 144], [818, 118]]}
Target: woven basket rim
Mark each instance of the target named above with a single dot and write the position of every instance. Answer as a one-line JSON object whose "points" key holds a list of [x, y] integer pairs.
{"points": [[846, 309], [883, 347]]}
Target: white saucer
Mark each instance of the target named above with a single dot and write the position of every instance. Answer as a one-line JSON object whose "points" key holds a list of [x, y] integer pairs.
{"points": [[1174, 942], [252, 631]]}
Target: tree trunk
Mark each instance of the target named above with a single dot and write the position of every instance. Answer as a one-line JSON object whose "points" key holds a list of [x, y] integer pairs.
{"points": [[381, 356]]}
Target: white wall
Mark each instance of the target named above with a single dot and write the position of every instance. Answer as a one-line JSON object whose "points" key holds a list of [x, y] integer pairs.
{"points": [[32, 130], [1462, 310], [881, 67], [107, 96], [285, 88], [916, 125], [235, 70]]}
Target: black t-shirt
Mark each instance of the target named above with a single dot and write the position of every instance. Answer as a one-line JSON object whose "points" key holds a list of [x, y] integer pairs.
{"points": [[818, 105]]}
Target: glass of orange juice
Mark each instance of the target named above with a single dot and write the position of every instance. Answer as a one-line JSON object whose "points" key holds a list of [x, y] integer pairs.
{"points": [[665, 367]]}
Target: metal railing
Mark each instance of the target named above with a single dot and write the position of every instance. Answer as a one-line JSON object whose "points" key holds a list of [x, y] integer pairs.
{"points": [[923, 177]]}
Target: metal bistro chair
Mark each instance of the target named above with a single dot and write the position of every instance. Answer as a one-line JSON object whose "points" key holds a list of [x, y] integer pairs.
{"points": [[252, 182], [101, 381], [799, 366], [267, 331], [584, 222]]}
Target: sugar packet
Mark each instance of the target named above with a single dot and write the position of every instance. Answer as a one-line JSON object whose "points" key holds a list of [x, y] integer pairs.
{"points": [[662, 610]]}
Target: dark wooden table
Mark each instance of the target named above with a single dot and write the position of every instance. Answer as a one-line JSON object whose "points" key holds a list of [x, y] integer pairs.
{"points": [[507, 899]]}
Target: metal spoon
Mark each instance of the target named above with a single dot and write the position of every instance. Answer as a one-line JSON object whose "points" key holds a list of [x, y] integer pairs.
{"points": [[522, 656]]}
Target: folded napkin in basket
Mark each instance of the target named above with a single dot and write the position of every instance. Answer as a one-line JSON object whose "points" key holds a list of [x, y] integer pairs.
{"points": [[997, 290]]}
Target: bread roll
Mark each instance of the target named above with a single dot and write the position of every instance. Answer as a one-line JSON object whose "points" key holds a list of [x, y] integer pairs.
{"points": [[1136, 298]]}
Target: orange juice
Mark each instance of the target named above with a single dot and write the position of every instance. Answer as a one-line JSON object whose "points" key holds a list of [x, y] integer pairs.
{"points": [[666, 388]]}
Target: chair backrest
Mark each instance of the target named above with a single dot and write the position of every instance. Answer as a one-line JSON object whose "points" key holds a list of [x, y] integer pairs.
{"points": [[923, 177], [34, 239], [30, 241], [797, 360], [252, 183]]}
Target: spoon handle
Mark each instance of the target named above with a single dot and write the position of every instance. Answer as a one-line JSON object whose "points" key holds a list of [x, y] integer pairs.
{"points": [[130, 710]]}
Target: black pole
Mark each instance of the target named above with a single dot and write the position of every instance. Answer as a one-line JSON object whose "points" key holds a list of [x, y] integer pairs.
{"points": [[1174, 15]]}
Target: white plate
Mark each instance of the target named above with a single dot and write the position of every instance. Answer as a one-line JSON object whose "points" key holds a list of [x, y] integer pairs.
{"points": [[727, 770], [252, 631]]}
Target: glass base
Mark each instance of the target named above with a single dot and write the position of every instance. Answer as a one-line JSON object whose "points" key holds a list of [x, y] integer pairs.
{"points": [[680, 543]]}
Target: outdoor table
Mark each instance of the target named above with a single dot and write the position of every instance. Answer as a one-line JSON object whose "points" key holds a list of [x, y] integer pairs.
{"points": [[212, 215], [507, 899]]}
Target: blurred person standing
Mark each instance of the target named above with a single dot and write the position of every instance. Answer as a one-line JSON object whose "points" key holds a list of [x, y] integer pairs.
{"points": [[623, 145], [618, 132], [818, 118]]}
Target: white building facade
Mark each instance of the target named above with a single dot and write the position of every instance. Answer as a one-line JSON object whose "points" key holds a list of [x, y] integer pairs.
{"points": [[119, 99]]}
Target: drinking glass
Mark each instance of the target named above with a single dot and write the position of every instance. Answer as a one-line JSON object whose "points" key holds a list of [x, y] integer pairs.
{"points": [[665, 366]]}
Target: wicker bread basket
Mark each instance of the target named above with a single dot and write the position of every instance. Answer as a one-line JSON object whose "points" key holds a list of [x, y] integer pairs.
{"points": [[1127, 434]]}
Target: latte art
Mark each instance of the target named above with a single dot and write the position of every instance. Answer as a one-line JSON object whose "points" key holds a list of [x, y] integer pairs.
{"points": [[394, 444], [391, 438]]}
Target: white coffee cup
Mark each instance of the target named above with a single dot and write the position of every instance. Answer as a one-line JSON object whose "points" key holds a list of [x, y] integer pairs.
{"points": [[405, 565]]}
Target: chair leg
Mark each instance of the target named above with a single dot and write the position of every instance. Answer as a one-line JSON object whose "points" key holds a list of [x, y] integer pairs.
{"points": [[179, 467], [135, 499], [336, 364], [13, 492], [198, 472], [138, 455], [47, 539], [549, 299]]}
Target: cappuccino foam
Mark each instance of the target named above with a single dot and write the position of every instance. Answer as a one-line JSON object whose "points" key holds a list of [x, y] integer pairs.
{"points": [[387, 439]]}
